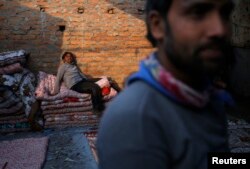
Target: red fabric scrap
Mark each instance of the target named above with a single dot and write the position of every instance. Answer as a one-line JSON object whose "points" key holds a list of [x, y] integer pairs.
{"points": [[105, 91]]}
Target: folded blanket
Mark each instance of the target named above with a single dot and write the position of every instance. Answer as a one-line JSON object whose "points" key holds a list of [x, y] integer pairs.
{"points": [[63, 93], [5, 92], [8, 80], [67, 105], [13, 121], [64, 100], [12, 109], [13, 117], [27, 91], [85, 113], [7, 58], [9, 102], [7, 98], [74, 123], [92, 137], [67, 118], [68, 110], [11, 69], [46, 83], [23, 85]]}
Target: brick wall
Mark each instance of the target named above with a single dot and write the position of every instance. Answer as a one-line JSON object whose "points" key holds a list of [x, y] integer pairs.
{"points": [[107, 36]]}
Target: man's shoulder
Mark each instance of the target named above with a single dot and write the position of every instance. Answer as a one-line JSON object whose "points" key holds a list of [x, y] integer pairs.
{"points": [[138, 99], [62, 66], [136, 93], [130, 107]]}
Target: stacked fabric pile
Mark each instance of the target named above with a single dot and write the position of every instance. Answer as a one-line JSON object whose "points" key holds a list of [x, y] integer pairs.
{"points": [[67, 108], [17, 87], [92, 137]]}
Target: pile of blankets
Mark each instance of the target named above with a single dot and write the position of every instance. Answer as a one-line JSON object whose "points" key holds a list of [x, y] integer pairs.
{"points": [[17, 87], [68, 108], [92, 137]]}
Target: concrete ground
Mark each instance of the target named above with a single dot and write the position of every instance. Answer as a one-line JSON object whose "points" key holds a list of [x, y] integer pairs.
{"points": [[239, 126], [68, 148]]}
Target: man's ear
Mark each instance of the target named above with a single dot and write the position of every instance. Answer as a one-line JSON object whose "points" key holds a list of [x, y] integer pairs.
{"points": [[156, 25]]}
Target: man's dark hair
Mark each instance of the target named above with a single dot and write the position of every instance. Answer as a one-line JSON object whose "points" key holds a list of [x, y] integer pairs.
{"points": [[66, 53], [161, 6]]}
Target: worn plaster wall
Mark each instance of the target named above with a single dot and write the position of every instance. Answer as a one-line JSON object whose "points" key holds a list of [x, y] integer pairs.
{"points": [[240, 76], [107, 36]]}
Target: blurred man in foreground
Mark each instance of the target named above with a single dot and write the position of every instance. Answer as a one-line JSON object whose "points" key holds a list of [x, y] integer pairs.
{"points": [[170, 115]]}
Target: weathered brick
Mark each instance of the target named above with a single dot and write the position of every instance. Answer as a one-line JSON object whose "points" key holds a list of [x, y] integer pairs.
{"points": [[105, 42]]}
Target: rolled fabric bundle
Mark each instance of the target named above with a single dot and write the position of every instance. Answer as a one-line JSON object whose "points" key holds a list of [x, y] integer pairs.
{"points": [[84, 113], [11, 69], [68, 110], [64, 100], [12, 109], [8, 99], [17, 116], [68, 118], [9, 102], [89, 123], [23, 85], [11, 57]]}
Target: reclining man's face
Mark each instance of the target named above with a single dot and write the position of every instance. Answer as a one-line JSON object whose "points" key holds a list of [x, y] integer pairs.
{"points": [[197, 35], [68, 58]]}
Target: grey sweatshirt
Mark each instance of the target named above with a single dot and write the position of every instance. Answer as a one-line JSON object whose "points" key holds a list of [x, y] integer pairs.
{"points": [[143, 129], [70, 74]]}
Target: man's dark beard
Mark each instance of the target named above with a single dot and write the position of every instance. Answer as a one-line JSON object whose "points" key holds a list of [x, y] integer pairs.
{"points": [[193, 65]]}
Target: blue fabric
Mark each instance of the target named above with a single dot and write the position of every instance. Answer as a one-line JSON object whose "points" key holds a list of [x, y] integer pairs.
{"points": [[145, 75]]}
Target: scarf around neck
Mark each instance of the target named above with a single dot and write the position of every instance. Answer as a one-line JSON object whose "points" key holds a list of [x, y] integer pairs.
{"points": [[153, 73]]}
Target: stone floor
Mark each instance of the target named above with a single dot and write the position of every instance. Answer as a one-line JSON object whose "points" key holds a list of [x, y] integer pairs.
{"points": [[239, 126], [239, 135]]}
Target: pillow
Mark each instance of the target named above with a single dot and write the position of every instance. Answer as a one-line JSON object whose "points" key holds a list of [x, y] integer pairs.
{"points": [[11, 69], [8, 58], [23, 85], [103, 82], [10, 81]]}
